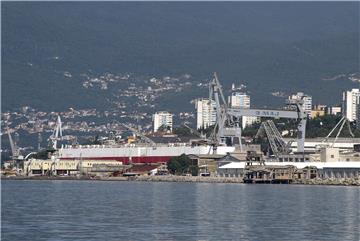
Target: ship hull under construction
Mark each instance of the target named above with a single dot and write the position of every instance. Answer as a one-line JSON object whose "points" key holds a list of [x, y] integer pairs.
{"points": [[137, 154]]}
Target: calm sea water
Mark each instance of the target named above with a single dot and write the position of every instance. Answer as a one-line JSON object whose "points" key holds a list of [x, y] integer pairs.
{"points": [[93, 210]]}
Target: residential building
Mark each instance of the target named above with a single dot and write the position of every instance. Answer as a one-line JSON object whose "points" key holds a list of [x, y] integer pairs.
{"points": [[249, 120], [205, 113], [162, 118], [358, 115], [350, 101], [334, 110], [242, 100], [307, 101], [318, 110]]}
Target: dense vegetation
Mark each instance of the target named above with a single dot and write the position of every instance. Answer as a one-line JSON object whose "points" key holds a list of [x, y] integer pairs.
{"points": [[182, 165], [164, 128], [182, 131]]}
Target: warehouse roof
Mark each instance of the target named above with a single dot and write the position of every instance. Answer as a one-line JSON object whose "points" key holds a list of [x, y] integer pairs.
{"points": [[300, 165]]}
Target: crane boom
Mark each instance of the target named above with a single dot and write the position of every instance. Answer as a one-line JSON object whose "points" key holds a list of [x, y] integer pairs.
{"points": [[263, 113], [228, 118], [57, 133], [14, 149], [341, 123]]}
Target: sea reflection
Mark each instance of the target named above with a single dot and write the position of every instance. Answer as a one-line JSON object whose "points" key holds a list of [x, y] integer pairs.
{"points": [[92, 210]]}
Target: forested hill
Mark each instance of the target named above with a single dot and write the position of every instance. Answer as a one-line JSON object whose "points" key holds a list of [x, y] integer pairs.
{"points": [[47, 47]]}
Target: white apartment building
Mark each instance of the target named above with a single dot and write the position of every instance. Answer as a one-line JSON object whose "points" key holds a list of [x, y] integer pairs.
{"points": [[205, 113], [162, 118], [242, 100], [350, 101], [358, 116], [334, 110], [307, 105]]}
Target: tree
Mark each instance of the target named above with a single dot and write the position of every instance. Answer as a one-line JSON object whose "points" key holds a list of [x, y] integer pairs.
{"points": [[182, 131], [164, 128], [182, 165]]}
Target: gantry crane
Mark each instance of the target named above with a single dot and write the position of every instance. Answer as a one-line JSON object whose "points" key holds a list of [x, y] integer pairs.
{"points": [[229, 119], [276, 141]]}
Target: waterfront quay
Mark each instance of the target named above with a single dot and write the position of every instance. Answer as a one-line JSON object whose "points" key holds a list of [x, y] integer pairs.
{"points": [[188, 179], [251, 166]]}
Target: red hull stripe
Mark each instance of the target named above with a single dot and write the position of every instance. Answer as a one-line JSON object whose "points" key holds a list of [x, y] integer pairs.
{"points": [[125, 160]]}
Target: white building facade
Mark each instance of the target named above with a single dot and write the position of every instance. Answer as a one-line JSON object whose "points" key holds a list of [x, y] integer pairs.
{"points": [[242, 100], [163, 118], [334, 110], [205, 113], [351, 100], [307, 99]]}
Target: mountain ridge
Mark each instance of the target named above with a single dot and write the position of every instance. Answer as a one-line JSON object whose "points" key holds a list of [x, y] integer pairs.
{"points": [[269, 47]]}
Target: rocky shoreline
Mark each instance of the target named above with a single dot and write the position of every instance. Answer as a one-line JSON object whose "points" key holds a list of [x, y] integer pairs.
{"points": [[189, 179], [330, 181], [196, 179]]}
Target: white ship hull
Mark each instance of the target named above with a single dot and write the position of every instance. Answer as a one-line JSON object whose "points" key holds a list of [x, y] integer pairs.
{"points": [[137, 154]]}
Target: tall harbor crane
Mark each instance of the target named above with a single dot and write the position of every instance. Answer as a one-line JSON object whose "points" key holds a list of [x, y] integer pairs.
{"points": [[57, 133], [15, 150], [229, 119]]}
